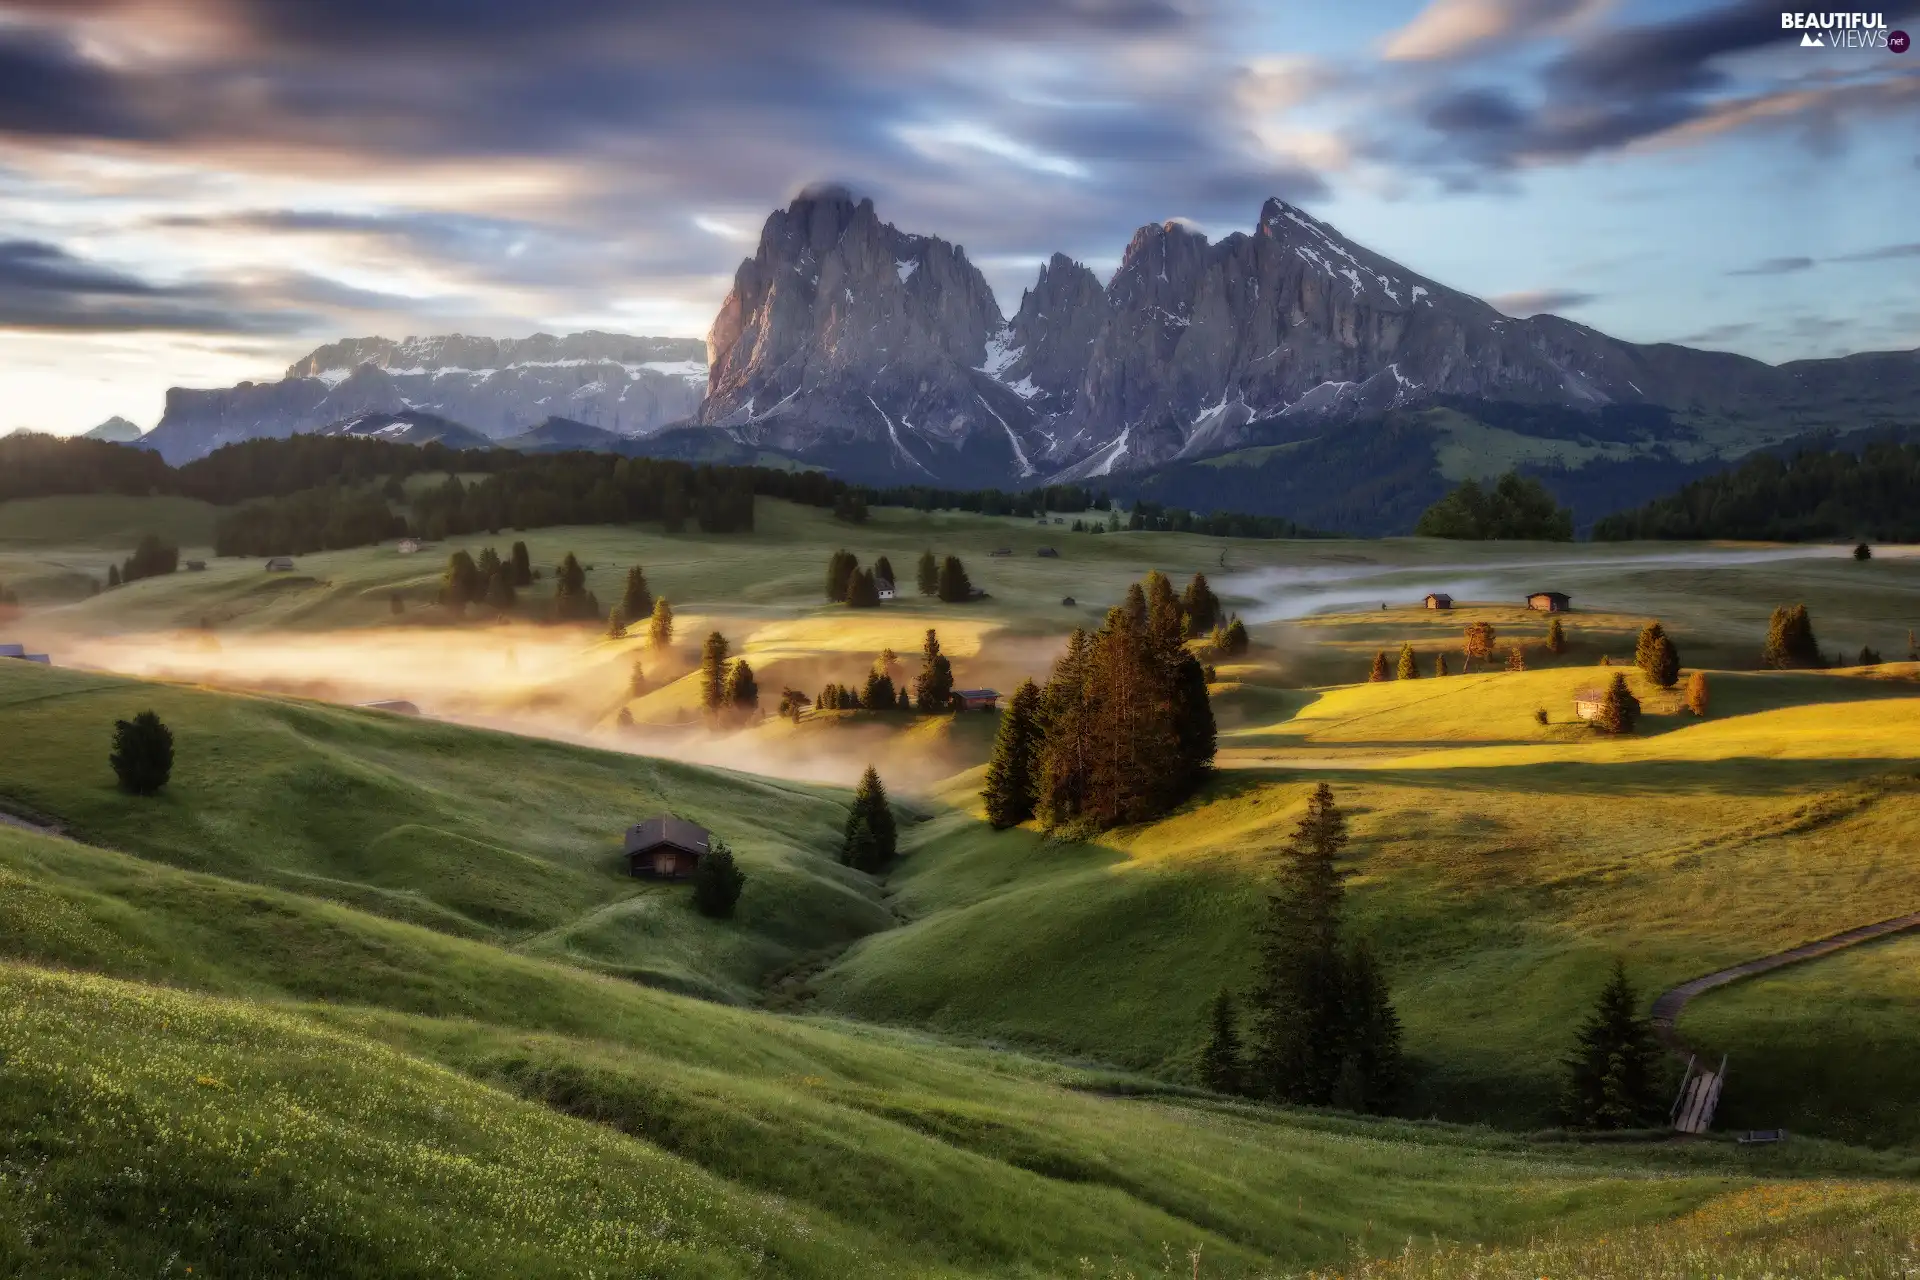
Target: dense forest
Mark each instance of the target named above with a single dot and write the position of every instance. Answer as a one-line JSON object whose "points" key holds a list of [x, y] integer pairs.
{"points": [[37, 466], [1514, 509], [1820, 492]]}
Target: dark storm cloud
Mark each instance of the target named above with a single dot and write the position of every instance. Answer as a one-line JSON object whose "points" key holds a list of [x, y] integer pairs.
{"points": [[1775, 267], [48, 88]]}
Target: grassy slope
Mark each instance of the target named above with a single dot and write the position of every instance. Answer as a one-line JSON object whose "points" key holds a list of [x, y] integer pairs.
{"points": [[1497, 866]]}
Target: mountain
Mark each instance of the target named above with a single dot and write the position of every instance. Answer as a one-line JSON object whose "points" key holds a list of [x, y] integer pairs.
{"points": [[854, 345], [408, 426], [559, 435], [115, 430], [499, 387]]}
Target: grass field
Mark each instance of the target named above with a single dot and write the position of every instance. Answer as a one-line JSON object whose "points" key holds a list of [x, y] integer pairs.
{"points": [[413, 937]]}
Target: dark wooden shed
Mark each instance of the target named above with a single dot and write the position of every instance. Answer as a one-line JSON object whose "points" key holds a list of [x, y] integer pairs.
{"points": [[1548, 601], [666, 848]]}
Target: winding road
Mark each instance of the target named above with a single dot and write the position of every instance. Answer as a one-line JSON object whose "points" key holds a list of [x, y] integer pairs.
{"points": [[1668, 1006]]}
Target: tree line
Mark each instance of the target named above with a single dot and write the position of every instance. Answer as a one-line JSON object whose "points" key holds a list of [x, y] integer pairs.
{"points": [[1814, 493], [1517, 508], [1122, 731]]}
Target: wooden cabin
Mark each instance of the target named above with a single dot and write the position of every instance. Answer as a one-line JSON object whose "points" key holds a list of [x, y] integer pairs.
{"points": [[280, 564], [1548, 601], [666, 848], [976, 699], [1439, 600], [1586, 703]]}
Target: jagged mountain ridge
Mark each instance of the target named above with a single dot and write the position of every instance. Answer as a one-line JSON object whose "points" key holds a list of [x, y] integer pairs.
{"points": [[497, 387], [408, 426], [115, 430]]}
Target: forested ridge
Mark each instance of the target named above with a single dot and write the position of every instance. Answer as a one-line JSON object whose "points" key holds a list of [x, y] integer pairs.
{"points": [[1821, 492]]}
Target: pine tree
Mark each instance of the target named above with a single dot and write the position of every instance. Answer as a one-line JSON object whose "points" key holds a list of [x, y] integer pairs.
{"points": [[1221, 1069], [872, 818], [1067, 730], [1440, 664], [488, 563], [461, 584], [1406, 670], [142, 754], [1663, 664], [636, 602], [1236, 641], [713, 673], [1381, 671], [1913, 649], [1201, 606], [660, 627], [717, 882], [1619, 709], [1371, 1065], [1612, 1074], [1556, 638], [954, 586], [933, 687], [863, 590], [1790, 639], [571, 599], [113, 575], [928, 574], [1650, 635], [616, 624], [883, 568], [1862, 552], [1697, 693], [522, 565], [741, 693], [500, 594], [1297, 1048], [636, 680], [878, 695], [841, 568], [1012, 774]]}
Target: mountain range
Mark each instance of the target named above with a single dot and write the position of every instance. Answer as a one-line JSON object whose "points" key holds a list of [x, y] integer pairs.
{"points": [[1282, 360]]}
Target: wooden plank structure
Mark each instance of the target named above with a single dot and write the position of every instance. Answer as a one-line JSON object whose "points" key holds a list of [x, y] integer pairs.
{"points": [[1699, 1095]]}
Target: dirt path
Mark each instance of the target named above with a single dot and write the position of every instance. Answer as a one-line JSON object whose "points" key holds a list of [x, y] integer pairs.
{"points": [[1668, 1006], [11, 821]]}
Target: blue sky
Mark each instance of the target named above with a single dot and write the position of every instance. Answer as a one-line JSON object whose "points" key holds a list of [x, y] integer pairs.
{"points": [[194, 192]]}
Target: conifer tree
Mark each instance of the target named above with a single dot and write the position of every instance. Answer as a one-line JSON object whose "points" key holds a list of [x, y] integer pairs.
{"points": [[1869, 657], [142, 754], [1236, 639], [461, 584], [1297, 1040], [840, 570], [863, 590], [636, 602], [928, 574], [488, 563], [1440, 664], [883, 568], [500, 593], [1619, 709], [713, 673], [1790, 640], [903, 699], [1406, 670], [871, 835], [793, 704], [616, 624], [1913, 649], [660, 627], [1862, 552], [1381, 671], [113, 575], [1371, 1065], [636, 680], [1612, 1074], [522, 565], [1556, 638], [1201, 606], [1697, 693], [1067, 731], [717, 882], [571, 599], [1650, 635], [1516, 658], [1012, 774], [933, 687], [1663, 663], [954, 585], [1221, 1069], [878, 695], [741, 694]]}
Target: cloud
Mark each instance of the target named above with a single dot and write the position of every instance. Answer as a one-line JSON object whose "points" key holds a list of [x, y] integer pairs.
{"points": [[1775, 267], [1885, 253], [1450, 28], [43, 287], [1717, 334], [1534, 301]]}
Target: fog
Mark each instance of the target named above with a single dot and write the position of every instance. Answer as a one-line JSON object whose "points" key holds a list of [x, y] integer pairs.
{"points": [[1288, 592]]}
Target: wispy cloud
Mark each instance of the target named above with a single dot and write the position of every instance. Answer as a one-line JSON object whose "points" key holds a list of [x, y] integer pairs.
{"points": [[1534, 301]]}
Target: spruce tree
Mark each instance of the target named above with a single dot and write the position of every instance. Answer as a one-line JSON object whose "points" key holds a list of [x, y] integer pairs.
{"points": [[1201, 606], [713, 673], [871, 818], [863, 590], [883, 568], [1650, 635], [1790, 639], [113, 575], [1381, 671], [616, 624], [1371, 1064], [1612, 1074], [928, 574], [1663, 663], [933, 687], [1406, 670], [142, 754], [571, 599], [500, 593], [1697, 693], [1556, 638], [1297, 1049], [1221, 1069], [1862, 552], [1236, 641], [1619, 709], [717, 882], [954, 586], [841, 568], [1067, 732], [660, 627], [461, 584], [636, 602], [636, 680], [1440, 664], [488, 563], [522, 565], [878, 695], [741, 694], [1012, 773]]}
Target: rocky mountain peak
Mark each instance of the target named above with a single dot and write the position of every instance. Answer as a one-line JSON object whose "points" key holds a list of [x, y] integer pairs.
{"points": [[115, 430]]}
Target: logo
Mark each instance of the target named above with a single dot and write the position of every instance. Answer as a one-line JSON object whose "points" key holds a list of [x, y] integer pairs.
{"points": [[1843, 31]]}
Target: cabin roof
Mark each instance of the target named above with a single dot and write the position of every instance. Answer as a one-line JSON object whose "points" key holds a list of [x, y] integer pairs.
{"points": [[676, 833]]}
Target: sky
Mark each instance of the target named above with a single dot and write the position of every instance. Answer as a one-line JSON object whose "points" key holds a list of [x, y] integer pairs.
{"points": [[197, 192]]}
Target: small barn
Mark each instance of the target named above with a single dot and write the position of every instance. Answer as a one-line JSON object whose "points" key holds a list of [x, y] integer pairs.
{"points": [[976, 699], [1548, 601], [666, 848], [1439, 600], [1048, 552], [196, 566], [1586, 703], [280, 564], [883, 587], [409, 546]]}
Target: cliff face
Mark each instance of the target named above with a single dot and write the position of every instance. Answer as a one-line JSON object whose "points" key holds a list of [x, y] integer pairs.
{"points": [[497, 387], [847, 340]]}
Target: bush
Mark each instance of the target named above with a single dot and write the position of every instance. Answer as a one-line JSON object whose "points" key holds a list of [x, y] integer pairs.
{"points": [[142, 753], [717, 882], [1863, 552]]}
